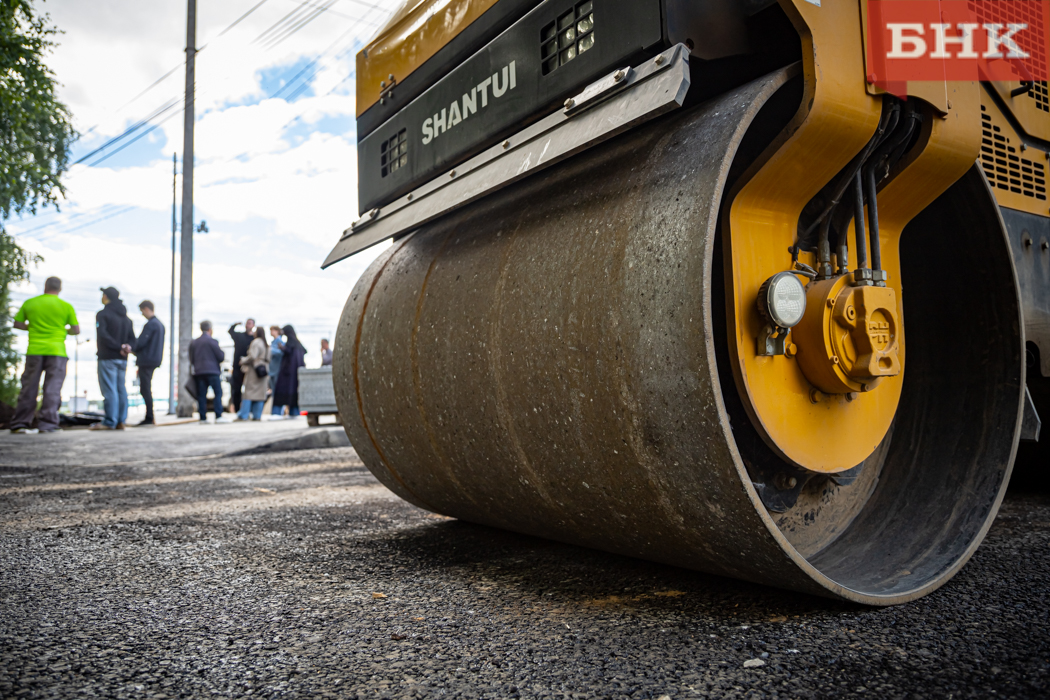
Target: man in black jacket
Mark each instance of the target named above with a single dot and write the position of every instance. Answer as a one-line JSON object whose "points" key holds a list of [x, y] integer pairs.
{"points": [[206, 358], [149, 351], [241, 341], [114, 335]]}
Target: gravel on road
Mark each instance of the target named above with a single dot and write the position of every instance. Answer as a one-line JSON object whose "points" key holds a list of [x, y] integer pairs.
{"points": [[296, 575]]}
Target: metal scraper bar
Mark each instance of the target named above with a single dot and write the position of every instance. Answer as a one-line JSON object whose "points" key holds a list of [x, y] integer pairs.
{"points": [[606, 108]]}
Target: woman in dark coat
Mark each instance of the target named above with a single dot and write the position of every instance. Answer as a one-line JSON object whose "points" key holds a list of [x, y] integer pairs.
{"points": [[286, 389]]}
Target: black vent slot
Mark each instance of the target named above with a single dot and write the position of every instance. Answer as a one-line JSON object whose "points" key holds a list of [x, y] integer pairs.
{"points": [[568, 37], [1004, 168], [1041, 97], [394, 153]]}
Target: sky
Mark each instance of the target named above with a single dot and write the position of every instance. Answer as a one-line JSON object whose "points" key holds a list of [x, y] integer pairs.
{"points": [[275, 176]]}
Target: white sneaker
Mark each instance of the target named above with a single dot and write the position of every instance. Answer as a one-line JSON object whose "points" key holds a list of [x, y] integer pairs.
{"points": [[274, 416], [225, 418]]}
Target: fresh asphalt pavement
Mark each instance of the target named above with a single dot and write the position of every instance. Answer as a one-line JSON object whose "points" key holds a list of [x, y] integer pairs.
{"points": [[156, 563]]}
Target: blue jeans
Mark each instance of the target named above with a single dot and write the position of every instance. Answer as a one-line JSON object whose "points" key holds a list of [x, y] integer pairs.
{"points": [[111, 379], [293, 411], [203, 382], [254, 408]]}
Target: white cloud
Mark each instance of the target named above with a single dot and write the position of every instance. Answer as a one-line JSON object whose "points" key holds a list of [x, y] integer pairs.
{"points": [[275, 191]]}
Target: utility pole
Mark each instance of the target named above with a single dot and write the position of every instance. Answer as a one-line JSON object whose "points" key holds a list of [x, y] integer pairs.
{"points": [[186, 280], [171, 319]]}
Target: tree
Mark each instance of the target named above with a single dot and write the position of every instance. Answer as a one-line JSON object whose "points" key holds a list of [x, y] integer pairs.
{"points": [[35, 139]]}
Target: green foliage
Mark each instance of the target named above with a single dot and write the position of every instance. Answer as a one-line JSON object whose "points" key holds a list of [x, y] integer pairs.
{"points": [[14, 267], [35, 139], [35, 133]]}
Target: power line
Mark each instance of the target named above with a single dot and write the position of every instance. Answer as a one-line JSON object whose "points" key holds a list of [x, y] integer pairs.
{"points": [[56, 223], [369, 5], [281, 21], [312, 63], [160, 111], [238, 20], [107, 212], [130, 130], [352, 73], [152, 85], [138, 125], [104, 218], [336, 13], [157, 82], [147, 132], [317, 13]]}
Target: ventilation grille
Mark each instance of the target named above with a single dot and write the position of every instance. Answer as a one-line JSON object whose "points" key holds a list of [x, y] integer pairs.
{"points": [[1004, 168], [1039, 94], [1030, 13], [569, 36], [394, 153]]}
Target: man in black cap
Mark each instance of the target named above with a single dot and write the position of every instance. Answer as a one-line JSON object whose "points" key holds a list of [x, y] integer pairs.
{"points": [[115, 337]]}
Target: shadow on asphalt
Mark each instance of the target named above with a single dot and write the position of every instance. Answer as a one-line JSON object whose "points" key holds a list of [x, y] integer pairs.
{"points": [[579, 577]]}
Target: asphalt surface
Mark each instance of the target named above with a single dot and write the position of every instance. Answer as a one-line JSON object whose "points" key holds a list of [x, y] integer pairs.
{"points": [[296, 574]]}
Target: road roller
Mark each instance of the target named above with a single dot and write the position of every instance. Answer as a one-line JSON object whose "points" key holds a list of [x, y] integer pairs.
{"points": [[686, 280]]}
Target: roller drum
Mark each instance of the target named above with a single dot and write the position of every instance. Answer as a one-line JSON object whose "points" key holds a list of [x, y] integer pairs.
{"points": [[550, 360]]}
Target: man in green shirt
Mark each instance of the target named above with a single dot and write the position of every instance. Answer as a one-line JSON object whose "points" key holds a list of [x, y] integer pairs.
{"points": [[49, 320]]}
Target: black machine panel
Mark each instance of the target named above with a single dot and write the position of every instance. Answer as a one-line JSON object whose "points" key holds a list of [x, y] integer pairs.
{"points": [[544, 58], [484, 29]]}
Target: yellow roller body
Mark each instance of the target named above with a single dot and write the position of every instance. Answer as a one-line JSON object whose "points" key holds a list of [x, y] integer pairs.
{"points": [[833, 431]]}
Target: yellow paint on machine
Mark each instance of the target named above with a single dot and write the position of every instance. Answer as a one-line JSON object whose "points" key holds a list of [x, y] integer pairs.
{"points": [[1016, 172], [837, 118], [413, 34]]}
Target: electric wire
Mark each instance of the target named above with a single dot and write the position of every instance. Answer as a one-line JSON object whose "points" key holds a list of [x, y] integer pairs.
{"points": [[55, 223], [281, 22], [168, 106], [152, 85], [147, 132], [369, 5], [130, 130], [316, 13], [334, 13], [99, 220], [238, 20], [155, 83], [313, 63], [359, 21]]}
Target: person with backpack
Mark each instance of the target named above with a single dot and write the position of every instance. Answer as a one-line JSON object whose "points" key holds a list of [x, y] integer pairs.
{"points": [[255, 368]]}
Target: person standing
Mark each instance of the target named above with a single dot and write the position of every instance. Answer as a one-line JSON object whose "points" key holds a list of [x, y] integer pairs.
{"points": [[49, 320], [255, 385], [206, 360], [326, 353], [149, 352], [286, 389], [241, 341], [276, 352], [114, 335]]}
